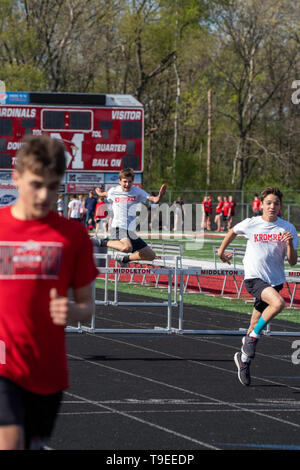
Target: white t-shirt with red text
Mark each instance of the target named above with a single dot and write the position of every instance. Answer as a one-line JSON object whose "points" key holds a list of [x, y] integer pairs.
{"points": [[125, 205], [75, 206], [265, 252]]}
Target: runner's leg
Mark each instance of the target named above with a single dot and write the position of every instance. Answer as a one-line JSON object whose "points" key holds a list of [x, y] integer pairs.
{"points": [[11, 437]]}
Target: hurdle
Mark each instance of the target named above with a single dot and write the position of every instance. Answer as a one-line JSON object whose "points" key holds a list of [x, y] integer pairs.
{"points": [[227, 273], [292, 277], [198, 272], [160, 261], [117, 272]]}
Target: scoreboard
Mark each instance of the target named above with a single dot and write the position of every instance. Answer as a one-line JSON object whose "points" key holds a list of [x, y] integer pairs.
{"points": [[101, 132]]}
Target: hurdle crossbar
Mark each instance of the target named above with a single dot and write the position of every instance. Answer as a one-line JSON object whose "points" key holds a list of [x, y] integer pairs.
{"points": [[292, 277], [115, 302], [197, 272]]}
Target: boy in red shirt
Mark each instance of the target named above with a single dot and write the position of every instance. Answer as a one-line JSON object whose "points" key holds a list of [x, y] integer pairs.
{"points": [[225, 211], [42, 255], [231, 213], [219, 213], [206, 221], [256, 205]]}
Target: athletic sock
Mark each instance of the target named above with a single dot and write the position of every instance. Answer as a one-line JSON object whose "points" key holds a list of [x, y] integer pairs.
{"points": [[126, 259], [259, 327], [245, 358]]}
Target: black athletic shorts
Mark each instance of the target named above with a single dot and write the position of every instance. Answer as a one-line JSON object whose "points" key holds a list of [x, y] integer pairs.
{"points": [[255, 288], [34, 413], [137, 243]]}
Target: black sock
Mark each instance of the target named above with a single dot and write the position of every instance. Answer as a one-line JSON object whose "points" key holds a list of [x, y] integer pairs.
{"points": [[126, 259]]}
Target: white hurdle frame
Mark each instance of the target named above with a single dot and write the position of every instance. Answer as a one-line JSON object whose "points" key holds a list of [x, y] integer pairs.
{"points": [[115, 302], [198, 272], [291, 277]]}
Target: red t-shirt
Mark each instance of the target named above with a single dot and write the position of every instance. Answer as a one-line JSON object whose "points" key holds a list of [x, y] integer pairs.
{"points": [[100, 210], [206, 206], [219, 207], [232, 205], [226, 207], [36, 255], [256, 204]]}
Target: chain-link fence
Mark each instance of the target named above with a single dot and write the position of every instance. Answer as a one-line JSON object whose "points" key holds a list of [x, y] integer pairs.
{"points": [[290, 208]]}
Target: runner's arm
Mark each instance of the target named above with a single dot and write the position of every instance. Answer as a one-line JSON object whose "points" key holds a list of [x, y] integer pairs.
{"points": [[63, 310], [101, 193], [231, 235], [156, 199], [292, 255]]}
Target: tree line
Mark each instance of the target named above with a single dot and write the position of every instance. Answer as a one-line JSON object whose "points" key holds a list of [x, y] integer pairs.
{"points": [[216, 78]]}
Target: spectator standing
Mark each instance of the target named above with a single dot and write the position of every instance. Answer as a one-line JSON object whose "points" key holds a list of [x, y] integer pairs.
{"points": [[74, 208], [60, 204], [101, 217], [256, 205], [231, 214], [205, 208], [225, 211], [90, 205], [218, 215], [209, 212]]}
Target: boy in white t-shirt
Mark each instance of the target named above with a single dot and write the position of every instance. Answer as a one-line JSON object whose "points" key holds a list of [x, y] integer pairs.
{"points": [[74, 208], [125, 199], [270, 239]]}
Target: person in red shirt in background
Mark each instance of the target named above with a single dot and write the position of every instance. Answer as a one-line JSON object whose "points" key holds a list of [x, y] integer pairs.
{"points": [[206, 204], [256, 205], [43, 255], [209, 212], [232, 205], [218, 215], [225, 211], [101, 216]]}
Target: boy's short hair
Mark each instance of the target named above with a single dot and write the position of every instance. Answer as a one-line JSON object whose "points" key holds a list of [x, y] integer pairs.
{"points": [[40, 154], [126, 173], [271, 190]]}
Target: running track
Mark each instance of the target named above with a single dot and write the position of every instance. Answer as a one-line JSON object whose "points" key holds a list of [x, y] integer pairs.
{"points": [[177, 393]]}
